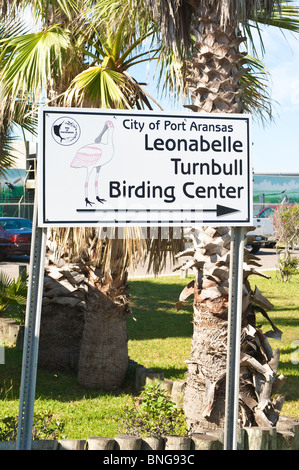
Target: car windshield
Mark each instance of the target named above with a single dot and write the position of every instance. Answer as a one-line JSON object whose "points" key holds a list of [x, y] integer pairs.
{"points": [[15, 224]]}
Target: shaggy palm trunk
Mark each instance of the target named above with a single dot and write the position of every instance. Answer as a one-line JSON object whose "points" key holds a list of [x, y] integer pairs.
{"points": [[103, 360], [204, 399], [214, 84], [216, 67], [83, 326]]}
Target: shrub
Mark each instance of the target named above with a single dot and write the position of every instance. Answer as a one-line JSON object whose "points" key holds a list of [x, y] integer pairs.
{"points": [[13, 296], [287, 266], [286, 226], [153, 414], [45, 426]]}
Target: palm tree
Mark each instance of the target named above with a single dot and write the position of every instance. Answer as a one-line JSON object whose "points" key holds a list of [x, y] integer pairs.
{"points": [[215, 57], [215, 77], [208, 39], [86, 299]]}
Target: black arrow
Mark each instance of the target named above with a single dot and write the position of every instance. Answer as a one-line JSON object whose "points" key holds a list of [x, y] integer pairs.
{"points": [[220, 210]]}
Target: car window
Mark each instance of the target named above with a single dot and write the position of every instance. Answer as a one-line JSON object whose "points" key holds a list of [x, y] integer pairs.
{"points": [[16, 224], [7, 224], [25, 224]]}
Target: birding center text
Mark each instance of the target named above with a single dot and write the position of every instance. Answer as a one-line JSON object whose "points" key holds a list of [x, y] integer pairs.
{"points": [[122, 168]]}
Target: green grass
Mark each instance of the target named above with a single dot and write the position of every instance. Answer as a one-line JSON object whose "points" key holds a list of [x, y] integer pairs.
{"points": [[160, 338], [159, 335], [84, 412]]}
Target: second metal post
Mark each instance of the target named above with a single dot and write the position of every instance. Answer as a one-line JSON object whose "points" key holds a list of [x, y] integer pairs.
{"points": [[234, 338]]}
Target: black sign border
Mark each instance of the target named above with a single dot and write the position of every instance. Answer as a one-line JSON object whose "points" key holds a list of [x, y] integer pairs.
{"points": [[213, 222]]}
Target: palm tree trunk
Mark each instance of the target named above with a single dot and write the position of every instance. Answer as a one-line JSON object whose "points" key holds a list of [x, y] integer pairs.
{"points": [[204, 398], [83, 325], [214, 83], [103, 360], [215, 69]]}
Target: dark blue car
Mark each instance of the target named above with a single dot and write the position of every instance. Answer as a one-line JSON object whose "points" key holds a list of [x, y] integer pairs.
{"points": [[15, 236]]}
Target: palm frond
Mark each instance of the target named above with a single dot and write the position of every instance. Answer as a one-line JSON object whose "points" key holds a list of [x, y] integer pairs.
{"points": [[24, 117], [31, 60], [9, 8], [100, 86], [284, 17], [256, 96], [10, 27], [49, 9], [109, 250], [7, 138], [114, 250], [12, 291]]}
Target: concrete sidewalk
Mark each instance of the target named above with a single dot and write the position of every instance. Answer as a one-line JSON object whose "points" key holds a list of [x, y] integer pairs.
{"points": [[14, 267], [268, 260]]}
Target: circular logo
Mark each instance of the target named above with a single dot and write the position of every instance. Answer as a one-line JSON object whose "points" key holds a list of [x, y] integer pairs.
{"points": [[65, 131]]}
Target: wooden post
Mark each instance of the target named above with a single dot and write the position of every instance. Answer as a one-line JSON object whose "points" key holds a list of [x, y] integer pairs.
{"points": [[100, 443], [286, 423], [166, 385], [258, 438], [285, 440], [177, 393], [153, 376], [144, 376], [241, 437], [152, 443], [128, 442], [177, 443], [44, 444], [71, 444], [205, 442]]}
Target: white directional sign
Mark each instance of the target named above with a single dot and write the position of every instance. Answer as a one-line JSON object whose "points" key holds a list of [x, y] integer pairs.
{"points": [[118, 168]]}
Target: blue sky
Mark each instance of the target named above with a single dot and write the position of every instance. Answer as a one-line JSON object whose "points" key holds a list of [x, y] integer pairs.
{"points": [[276, 146]]}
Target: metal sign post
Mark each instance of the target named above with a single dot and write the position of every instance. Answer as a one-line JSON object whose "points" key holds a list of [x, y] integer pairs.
{"points": [[31, 337], [234, 338]]}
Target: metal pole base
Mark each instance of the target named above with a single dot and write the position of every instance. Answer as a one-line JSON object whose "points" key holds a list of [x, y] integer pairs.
{"points": [[234, 338], [31, 337]]}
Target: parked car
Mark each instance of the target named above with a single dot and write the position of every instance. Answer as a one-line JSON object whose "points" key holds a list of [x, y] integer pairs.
{"points": [[263, 235], [15, 236]]}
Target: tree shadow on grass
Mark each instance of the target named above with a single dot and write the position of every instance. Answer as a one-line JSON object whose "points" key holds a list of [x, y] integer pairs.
{"points": [[63, 387], [154, 313], [280, 321], [50, 385], [153, 306]]}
